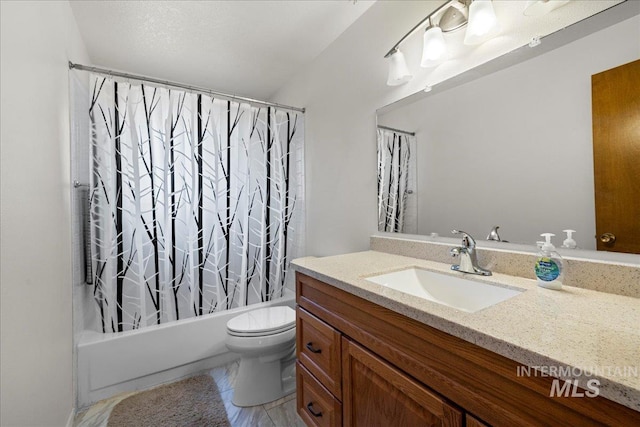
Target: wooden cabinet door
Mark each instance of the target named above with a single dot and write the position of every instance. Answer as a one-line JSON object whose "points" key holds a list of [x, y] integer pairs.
{"points": [[615, 100], [375, 393]]}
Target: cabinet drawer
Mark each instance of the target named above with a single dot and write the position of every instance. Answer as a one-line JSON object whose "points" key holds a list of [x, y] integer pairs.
{"points": [[316, 405], [318, 349]]}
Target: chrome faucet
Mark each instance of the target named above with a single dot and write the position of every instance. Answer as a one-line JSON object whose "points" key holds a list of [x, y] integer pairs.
{"points": [[467, 254], [493, 234]]}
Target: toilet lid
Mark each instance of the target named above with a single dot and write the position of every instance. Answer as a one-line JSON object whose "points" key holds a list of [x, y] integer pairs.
{"points": [[263, 321]]}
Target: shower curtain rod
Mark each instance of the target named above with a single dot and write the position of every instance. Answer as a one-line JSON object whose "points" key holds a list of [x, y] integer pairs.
{"points": [[396, 130], [181, 86]]}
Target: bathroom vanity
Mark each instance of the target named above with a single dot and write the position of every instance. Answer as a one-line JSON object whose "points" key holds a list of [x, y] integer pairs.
{"points": [[370, 355]]}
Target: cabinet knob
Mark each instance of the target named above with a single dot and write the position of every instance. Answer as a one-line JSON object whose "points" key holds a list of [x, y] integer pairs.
{"points": [[313, 350], [608, 238], [310, 409]]}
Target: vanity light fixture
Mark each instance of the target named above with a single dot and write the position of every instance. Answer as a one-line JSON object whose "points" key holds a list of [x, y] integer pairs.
{"points": [[451, 16], [542, 7], [483, 23], [434, 49], [398, 70]]}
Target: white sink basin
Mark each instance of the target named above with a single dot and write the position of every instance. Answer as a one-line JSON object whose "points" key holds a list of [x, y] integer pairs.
{"points": [[453, 291]]}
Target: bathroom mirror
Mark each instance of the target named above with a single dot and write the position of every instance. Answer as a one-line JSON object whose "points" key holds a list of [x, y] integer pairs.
{"points": [[509, 143]]}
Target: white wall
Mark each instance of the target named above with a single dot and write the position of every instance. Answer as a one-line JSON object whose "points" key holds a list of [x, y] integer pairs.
{"points": [[341, 90], [38, 38], [517, 151]]}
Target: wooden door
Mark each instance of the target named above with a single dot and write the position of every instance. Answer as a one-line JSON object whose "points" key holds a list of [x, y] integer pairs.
{"points": [[375, 393], [616, 157]]}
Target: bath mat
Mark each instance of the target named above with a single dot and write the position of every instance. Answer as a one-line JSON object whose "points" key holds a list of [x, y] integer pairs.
{"points": [[191, 402]]}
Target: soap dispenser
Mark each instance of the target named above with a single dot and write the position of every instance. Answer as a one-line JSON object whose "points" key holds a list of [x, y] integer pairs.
{"points": [[569, 243], [549, 266]]}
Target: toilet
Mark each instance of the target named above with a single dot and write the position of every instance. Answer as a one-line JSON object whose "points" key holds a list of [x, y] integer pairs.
{"points": [[266, 341]]}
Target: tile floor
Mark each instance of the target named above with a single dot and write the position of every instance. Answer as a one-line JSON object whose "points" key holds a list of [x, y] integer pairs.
{"points": [[281, 413]]}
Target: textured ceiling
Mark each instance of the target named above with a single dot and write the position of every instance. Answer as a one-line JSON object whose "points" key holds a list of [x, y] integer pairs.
{"points": [[247, 48]]}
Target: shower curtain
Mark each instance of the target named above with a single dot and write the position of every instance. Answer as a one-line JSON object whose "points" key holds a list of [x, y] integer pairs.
{"points": [[394, 172], [196, 203]]}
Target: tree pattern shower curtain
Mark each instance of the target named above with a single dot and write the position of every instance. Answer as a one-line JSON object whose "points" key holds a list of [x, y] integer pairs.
{"points": [[394, 162], [196, 203]]}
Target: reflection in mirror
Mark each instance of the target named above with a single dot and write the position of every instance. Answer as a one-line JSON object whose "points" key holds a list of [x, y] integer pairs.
{"points": [[514, 148], [397, 208]]}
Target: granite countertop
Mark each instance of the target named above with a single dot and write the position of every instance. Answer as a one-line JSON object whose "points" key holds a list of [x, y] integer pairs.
{"points": [[591, 332]]}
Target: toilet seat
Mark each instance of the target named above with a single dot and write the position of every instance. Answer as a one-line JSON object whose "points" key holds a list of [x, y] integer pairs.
{"points": [[262, 322]]}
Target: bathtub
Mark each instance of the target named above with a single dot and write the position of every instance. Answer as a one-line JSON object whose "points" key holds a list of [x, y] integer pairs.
{"points": [[108, 364]]}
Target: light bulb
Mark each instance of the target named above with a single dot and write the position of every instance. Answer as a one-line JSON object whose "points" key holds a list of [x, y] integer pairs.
{"points": [[483, 23], [398, 70], [434, 50]]}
